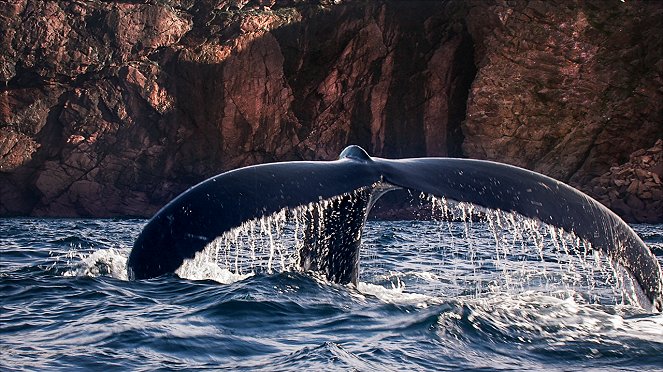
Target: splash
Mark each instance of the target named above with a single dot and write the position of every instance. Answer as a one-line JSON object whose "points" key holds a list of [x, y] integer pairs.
{"points": [[201, 268], [396, 294], [104, 262]]}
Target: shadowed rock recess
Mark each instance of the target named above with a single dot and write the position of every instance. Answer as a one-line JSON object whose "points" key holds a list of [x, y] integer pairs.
{"points": [[111, 108]]}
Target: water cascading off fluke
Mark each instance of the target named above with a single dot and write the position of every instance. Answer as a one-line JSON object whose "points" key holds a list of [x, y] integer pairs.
{"points": [[188, 224]]}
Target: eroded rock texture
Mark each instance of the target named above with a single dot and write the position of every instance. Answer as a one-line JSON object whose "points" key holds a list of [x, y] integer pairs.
{"points": [[566, 89], [634, 189], [113, 107]]}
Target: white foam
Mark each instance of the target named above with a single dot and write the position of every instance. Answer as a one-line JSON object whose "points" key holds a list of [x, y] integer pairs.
{"points": [[201, 267], [396, 294], [104, 262]]}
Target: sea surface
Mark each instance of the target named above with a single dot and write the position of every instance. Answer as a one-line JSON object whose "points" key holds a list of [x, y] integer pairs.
{"points": [[432, 295]]}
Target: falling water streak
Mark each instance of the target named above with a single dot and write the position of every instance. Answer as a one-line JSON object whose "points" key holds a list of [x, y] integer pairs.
{"points": [[448, 215], [495, 223], [552, 232], [475, 261], [253, 240], [264, 226]]}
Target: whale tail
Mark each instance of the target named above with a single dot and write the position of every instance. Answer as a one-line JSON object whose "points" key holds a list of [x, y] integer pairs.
{"points": [[191, 221]]}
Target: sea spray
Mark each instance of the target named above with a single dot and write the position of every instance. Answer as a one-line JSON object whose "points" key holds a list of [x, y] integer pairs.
{"points": [[104, 262], [269, 244], [528, 255]]}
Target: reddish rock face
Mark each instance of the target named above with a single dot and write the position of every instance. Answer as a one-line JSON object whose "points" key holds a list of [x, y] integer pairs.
{"points": [[566, 89], [112, 108]]}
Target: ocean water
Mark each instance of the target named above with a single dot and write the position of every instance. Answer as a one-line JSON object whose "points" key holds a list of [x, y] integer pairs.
{"points": [[432, 295]]}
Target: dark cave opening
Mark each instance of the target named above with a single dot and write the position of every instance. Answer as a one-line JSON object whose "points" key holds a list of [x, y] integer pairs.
{"points": [[465, 70]]}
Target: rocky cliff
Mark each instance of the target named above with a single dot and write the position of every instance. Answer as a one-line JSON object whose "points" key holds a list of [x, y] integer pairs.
{"points": [[111, 108]]}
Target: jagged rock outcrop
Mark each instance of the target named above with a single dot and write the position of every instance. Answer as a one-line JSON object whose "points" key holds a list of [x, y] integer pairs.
{"points": [[634, 189], [113, 107]]}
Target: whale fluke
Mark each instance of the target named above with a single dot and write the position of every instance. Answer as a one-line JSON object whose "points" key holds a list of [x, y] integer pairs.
{"points": [[191, 221]]}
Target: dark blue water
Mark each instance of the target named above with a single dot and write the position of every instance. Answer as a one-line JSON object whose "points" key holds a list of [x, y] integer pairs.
{"points": [[432, 296]]}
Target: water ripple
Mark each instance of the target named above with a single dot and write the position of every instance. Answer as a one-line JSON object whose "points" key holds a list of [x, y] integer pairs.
{"points": [[66, 304]]}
